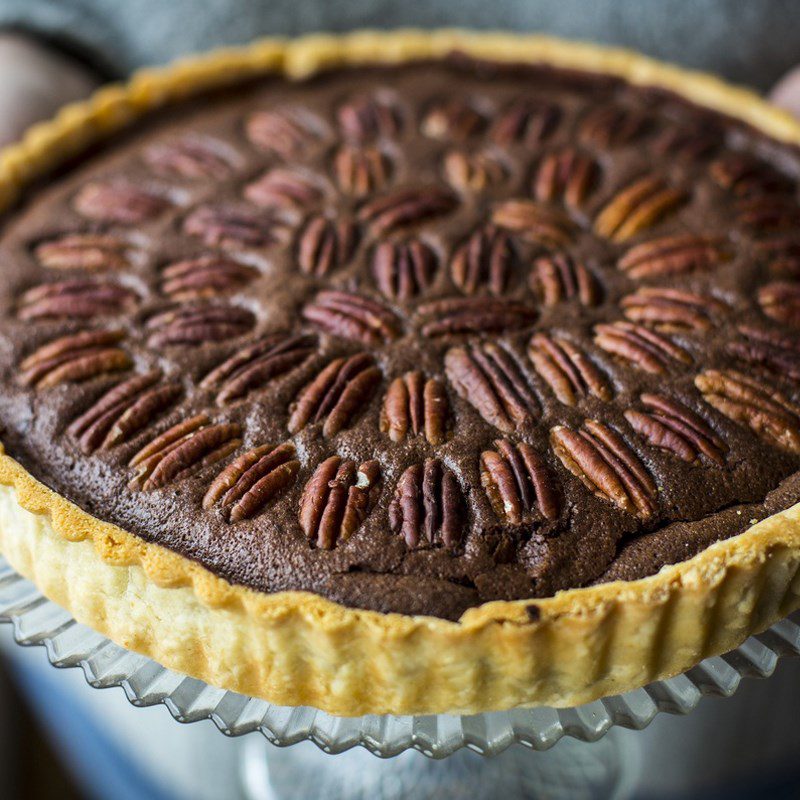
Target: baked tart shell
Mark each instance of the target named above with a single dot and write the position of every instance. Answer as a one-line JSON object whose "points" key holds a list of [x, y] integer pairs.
{"points": [[297, 648]]}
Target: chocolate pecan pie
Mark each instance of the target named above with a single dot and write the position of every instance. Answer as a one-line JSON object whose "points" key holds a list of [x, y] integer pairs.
{"points": [[407, 372]]}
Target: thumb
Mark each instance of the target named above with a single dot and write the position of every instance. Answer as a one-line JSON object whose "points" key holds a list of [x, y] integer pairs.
{"points": [[786, 92]]}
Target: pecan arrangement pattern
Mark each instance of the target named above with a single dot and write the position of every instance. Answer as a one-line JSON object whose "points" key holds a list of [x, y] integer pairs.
{"points": [[672, 426], [558, 277], [636, 208], [79, 298], [517, 480], [567, 175], [337, 499], [428, 506], [669, 310], [640, 347], [191, 157], [90, 252], [205, 277], [764, 409], [252, 480], [182, 449], [413, 405], [124, 410], [193, 325], [773, 351], [485, 259], [567, 370], [599, 457], [339, 391], [119, 203], [671, 255], [74, 358], [403, 269], [488, 328], [492, 380], [257, 364]]}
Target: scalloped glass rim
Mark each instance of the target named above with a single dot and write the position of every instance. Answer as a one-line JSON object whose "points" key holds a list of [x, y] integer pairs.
{"points": [[38, 621]]}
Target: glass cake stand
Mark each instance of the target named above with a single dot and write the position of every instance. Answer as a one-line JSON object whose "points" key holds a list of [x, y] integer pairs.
{"points": [[607, 768]]}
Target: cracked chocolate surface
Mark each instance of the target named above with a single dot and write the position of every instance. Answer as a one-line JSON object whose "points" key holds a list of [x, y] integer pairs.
{"points": [[414, 338]]}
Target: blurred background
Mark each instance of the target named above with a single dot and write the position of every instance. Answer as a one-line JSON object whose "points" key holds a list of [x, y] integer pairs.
{"points": [[61, 739]]}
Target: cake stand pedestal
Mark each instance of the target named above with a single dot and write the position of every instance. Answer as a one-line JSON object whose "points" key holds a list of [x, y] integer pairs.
{"points": [[505, 755], [604, 770]]}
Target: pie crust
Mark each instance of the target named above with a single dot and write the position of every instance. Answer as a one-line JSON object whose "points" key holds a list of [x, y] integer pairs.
{"points": [[296, 648]]}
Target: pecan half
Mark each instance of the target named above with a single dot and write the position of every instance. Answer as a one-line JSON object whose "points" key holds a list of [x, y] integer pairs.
{"points": [[611, 125], [525, 121], [782, 253], [455, 315], [688, 142], [672, 255], [403, 269], [336, 394], [517, 481], [74, 358], [119, 203], [558, 277], [337, 499], [428, 506], [472, 172], [780, 301], [762, 215], [94, 252], [194, 325], [286, 132], [123, 411], [534, 222], [671, 426], [227, 226], [81, 298], [753, 403], [640, 347], [486, 258], [369, 116], [671, 310], [191, 156], [492, 380], [744, 174], [253, 480], [258, 364], [360, 171], [325, 244], [205, 277], [637, 207], [405, 207], [599, 457], [567, 370], [353, 316], [566, 175], [181, 450], [285, 190], [774, 351], [452, 120], [413, 405]]}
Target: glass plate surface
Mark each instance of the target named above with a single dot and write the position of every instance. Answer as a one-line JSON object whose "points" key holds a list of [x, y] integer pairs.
{"points": [[38, 621]]}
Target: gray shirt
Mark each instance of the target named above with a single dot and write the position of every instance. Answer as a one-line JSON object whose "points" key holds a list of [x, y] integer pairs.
{"points": [[749, 42]]}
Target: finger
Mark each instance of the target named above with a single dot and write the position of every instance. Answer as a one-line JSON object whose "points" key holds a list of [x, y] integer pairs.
{"points": [[786, 92]]}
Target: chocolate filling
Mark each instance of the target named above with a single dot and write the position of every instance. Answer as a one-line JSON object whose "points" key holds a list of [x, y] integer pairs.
{"points": [[518, 329]]}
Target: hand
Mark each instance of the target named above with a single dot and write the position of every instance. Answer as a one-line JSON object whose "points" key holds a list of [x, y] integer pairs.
{"points": [[36, 80], [786, 92]]}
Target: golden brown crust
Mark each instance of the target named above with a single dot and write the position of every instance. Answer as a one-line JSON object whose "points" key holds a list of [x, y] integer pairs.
{"points": [[298, 648]]}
